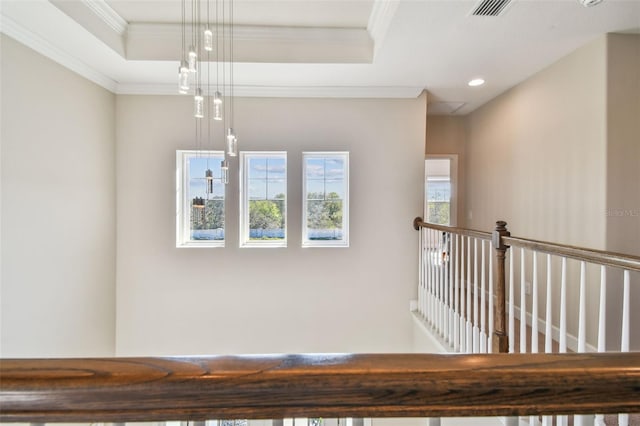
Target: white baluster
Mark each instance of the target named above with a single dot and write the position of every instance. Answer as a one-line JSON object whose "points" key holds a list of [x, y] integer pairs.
{"points": [[534, 306], [523, 304], [425, 300], [436, 259], [420, 271], [624, 347], [469, 324], [548, 340], [432, 281], [483, 302], [548, 337], [491, 299], [476, 330], [582, 315], [456, 298], [452, 284], [512, 313], [602, 317], [602, 324], [425, 277], [443, 290], [623, 419], [563, 308], [463, 325]]}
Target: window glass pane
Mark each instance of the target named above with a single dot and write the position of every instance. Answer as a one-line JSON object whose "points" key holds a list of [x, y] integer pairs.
{"points": [[201, 200], [257, 189], [263, 221], [438, 190], [206, 195], [335, 168], [276, 168], [315, 189], [276, 189], [314, 168], [334, 188], [257, 168], [326, 204]]}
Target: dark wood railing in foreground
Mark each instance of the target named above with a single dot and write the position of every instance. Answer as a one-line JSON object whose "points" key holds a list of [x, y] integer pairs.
{"points": [[391, 385]]}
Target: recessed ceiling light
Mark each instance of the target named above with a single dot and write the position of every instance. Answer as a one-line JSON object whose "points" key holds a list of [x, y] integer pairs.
{"points": [[476, 82]]}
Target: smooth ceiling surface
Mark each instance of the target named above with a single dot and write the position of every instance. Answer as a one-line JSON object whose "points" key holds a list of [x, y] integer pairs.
{"points": [[324, 48]]}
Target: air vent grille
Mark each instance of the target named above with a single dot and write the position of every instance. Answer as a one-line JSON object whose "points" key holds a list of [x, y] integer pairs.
{"points": [[490, 7]]}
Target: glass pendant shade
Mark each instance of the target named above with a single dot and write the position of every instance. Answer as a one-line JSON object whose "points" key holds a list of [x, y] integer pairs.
{"points": [[224, 168], [232, 143], [183, 77], [208, 40], [217, 104], [209, 175], [193, 59], [198, 104]]}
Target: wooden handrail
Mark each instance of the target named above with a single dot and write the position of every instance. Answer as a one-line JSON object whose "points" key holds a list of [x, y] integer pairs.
{"points": [[280, 386], [600, 257], [419, 223]]}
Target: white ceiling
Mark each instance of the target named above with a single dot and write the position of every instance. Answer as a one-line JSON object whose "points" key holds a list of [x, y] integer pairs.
{"points": [[339, 48]]}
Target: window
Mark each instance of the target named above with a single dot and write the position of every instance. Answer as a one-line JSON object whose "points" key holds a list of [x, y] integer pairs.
{"points": [[199, 199], [440, 188], [263, 193], [325, 221]]}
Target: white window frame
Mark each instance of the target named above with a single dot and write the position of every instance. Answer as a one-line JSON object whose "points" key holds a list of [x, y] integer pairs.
{"points": [[244, 201], [306, 242], [453, 178], [183, 201]]}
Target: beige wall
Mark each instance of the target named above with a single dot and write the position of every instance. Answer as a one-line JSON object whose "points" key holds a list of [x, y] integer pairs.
{"points": [[623, 143], [58, 210], [535, 154], [232, 300], [623, 170], [446, 135]]}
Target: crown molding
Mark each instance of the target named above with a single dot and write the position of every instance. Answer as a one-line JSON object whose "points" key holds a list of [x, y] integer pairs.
{"points": [[16, 31], [400, 92], [380, 19], [109, 16]]}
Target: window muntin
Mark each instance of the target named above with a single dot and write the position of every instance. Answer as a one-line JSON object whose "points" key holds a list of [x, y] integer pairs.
{"points": [[200, 199], [325, 221], [263, 193]]}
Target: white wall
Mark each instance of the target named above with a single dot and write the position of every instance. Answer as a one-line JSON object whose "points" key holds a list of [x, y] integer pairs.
{"points": [[232, 300], [58, 210]]}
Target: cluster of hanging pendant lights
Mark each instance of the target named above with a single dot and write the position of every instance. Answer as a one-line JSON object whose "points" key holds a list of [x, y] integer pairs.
{"points": [[214, 104]]}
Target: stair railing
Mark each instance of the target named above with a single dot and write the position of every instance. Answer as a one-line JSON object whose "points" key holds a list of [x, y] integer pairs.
{"points": [[452, 279]]}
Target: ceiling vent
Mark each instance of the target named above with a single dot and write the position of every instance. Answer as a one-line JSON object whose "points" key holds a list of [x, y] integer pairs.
{"points": [[490, 7]]}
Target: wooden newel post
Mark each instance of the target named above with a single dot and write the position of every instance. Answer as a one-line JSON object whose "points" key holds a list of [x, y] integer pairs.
{"points": [[416, 223], [500, 342]]}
